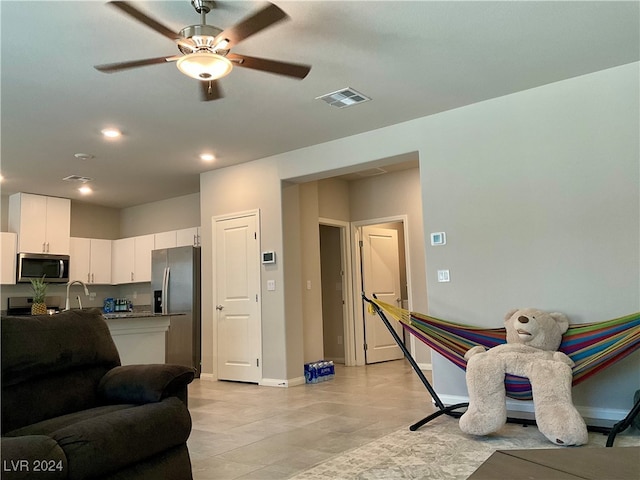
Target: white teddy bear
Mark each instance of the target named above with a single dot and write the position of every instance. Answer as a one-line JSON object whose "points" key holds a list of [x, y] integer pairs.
{"points": [[533, 338]]}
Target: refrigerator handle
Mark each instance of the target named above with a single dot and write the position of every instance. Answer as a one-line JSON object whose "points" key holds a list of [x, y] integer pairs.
{"points": [[165, 291]]}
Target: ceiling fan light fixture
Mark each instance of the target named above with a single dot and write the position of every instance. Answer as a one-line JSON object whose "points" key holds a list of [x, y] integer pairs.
{"points": [[204, 66]]}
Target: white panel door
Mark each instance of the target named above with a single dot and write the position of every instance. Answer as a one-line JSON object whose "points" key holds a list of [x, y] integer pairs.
{"points": [[237, 302], [381, 276]]}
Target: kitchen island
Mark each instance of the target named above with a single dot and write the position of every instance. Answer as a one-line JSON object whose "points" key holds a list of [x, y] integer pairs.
{"points": [[140, 337]]}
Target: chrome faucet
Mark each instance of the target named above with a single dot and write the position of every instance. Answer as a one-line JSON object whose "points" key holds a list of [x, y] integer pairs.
{"points": [[86, 292]]}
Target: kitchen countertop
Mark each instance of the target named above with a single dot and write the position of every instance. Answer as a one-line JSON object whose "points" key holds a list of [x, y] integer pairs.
{"points": [[109, 316]]}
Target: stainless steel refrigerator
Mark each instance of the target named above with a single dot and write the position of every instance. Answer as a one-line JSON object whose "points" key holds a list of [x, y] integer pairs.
{"points": [[175, 288]]}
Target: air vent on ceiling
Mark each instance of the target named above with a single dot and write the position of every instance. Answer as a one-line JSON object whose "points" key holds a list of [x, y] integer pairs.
{"points": [[77, 178], [345, 97]]}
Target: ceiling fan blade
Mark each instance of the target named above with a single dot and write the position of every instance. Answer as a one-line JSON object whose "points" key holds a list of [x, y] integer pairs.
{"points": [[116, 67], [252, 24], [130, 10], [210, 90], [295, 70]]}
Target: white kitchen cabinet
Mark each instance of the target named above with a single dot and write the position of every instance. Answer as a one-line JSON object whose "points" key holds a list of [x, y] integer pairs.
{"points": [[8, 255], [142, 259], [43, 224], [188, 237], [131, 259], [90, 260], [165, 240]]}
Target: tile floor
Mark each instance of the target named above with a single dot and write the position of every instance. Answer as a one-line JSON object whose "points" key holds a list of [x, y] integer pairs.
{"points": [[243, 431]]}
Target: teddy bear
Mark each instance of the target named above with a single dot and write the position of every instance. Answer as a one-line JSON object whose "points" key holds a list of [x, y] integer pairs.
{"points": [[533, 338]]}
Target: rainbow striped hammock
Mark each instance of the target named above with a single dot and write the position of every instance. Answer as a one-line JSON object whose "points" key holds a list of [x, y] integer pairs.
{"points": [[592, 347]]}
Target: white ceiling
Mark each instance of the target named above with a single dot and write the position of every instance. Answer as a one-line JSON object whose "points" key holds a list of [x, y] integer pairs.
{"points": [[412, 58]]}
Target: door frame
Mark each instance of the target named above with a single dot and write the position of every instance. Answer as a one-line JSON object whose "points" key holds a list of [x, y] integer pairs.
{"points": [[347, 280], [214, 282], [358, 311]]}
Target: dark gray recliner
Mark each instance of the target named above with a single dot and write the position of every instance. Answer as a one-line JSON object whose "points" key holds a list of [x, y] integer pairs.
{"points": [[70, 411]]}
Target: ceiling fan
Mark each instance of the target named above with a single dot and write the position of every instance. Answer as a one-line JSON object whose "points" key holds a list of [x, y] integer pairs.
{"points": [[206, 49]]}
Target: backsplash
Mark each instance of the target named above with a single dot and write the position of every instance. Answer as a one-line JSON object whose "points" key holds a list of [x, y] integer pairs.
{"points": [[138, 293]]}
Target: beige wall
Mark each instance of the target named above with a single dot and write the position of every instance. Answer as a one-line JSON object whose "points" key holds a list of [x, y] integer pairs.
{"points": [[333, 199], [311, 288], [537, 192], [162, 216], [94, 221]]}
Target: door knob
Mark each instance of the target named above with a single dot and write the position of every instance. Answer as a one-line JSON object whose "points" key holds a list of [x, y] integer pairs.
{"points": [[219, 307]]}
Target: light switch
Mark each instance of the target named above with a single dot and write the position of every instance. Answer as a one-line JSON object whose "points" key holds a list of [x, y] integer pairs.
{"points": [[271, 285], [443, 276]]}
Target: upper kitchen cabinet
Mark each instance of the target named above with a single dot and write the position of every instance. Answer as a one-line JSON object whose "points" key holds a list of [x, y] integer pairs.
{"points": [[43, 224], [131, 259], [165, 240], [188, 237], [90, 260], [8, 256]]}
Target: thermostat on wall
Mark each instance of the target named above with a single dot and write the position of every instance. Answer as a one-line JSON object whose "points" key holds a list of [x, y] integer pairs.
{"points": [[269, 257], [438, 238]]}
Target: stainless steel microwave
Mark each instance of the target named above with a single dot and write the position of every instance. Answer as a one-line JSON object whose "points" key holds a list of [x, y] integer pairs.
{"points": [[54, 268]]}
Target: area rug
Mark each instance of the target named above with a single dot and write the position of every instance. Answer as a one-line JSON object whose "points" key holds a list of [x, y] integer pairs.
{"points": [[438, 450]]}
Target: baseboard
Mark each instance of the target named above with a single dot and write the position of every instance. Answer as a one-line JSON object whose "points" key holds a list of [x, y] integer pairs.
{"points": [[208, 377], [275, 382], [527, 407], [339, 360], [425, 366]]}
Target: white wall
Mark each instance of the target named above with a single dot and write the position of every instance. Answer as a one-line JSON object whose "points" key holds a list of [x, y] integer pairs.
{"points": [[537, 191]]}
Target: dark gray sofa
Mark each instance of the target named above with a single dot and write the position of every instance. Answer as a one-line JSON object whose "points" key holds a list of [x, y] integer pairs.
{"points": [[70, 411]]}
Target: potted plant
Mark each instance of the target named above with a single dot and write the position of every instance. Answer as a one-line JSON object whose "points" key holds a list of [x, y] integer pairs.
{"points": [[39, 287]]}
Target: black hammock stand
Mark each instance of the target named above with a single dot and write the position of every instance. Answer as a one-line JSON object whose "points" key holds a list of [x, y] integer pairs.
{"points": [[454, 410]]}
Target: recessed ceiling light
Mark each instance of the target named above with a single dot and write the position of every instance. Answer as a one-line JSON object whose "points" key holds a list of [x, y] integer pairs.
{"points": [[85, 190], [111, 132], [83, 156], [207, 157]]}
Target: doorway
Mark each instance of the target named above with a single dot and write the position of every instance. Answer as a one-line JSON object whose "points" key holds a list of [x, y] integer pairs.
{"points": [[337, 300], [383, 273], [237, 306]]}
